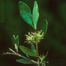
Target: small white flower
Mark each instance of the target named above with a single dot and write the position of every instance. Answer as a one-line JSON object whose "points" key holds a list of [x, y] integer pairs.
{"points": [[34, 37]]}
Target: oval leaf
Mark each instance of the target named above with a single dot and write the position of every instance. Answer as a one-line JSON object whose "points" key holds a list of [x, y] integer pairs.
{"points": [[44, 26], [27, 51], [24, 61], [33, 49], [35, 14], [25, 13]]}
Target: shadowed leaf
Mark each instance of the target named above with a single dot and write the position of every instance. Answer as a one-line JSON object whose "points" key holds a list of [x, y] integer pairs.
{"points": [[15, 41], [27, 51], [44, 26], [24, 61]]}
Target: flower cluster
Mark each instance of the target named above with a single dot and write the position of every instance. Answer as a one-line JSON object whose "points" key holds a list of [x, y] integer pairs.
{"points": [[34, 37]]}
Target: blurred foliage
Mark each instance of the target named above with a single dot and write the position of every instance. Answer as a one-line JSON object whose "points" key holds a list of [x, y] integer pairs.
{"points": [[52, 10]]}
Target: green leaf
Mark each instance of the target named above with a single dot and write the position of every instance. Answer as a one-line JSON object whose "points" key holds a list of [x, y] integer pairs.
{"points": [[33, 49], [25, 13], [26, 51], [42, 58], [24, 61], [15, 41], [44, 26], [35, 14]]}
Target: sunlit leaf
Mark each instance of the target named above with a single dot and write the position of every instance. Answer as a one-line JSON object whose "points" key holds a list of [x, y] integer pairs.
{"points": [[35, 14], [26, 51], [25, 13]]}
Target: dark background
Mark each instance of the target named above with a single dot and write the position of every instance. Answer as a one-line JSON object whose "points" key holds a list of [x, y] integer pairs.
{"points": [[55, 40]]}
